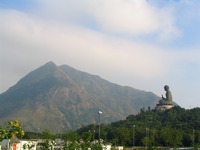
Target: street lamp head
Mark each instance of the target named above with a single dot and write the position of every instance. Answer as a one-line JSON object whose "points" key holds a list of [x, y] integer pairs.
{"points": [[100, 112]]}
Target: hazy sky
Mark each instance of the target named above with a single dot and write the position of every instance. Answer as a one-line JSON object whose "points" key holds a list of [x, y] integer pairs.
{"points": [[144, 44]]}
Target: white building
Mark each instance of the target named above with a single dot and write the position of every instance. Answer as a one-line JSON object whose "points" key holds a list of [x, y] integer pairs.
{"points": [[18, 144]]}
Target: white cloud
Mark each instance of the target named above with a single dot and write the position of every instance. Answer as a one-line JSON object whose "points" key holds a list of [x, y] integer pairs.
{"points": [[130, 17], [59, 32], [29, 39], [126, 17]]}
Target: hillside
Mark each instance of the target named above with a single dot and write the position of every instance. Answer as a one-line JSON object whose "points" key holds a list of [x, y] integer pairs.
{"points": [[53, 97], [173, 127]]}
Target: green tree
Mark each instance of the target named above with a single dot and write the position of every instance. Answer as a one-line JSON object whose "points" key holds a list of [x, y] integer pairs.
{"points": [[172, 127], [31, 135], [48, 140], [115, 141], [96, 146], [29, 145], [171, 137], [70, 140], [85, 140], [13, 129]]}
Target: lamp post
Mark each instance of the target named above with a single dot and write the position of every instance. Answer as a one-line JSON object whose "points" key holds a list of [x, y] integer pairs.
{"points": [[99, 124], [93, 134], [133, 136], [38, 132], [61, 132], [193, 137], [147, 137], [94, 128]]}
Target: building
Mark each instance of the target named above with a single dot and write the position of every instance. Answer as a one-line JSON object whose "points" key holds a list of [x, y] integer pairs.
{"points": [[18, 144]]}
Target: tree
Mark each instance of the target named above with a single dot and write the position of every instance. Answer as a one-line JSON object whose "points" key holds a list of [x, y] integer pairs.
{"points": [[171, 137], [86, 138], [31, 135], [172, 127], [70, 139], [49, 140], [29, 145], [96, 146], [12, 130]]}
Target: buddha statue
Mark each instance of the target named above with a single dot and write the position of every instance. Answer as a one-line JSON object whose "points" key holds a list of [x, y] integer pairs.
{"points": [[168, 99]]}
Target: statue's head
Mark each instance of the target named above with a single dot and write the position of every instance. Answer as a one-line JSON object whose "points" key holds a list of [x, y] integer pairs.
{"points": [[166, 87]]}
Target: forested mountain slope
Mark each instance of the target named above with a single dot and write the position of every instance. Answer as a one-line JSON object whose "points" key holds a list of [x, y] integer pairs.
{"points": [[172, 127]]}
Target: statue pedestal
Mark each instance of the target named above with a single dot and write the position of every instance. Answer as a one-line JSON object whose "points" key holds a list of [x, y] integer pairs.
{"points": [[164, 106]]}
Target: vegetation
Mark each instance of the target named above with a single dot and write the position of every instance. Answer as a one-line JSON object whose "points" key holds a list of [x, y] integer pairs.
{"points": [[176, 127], [13, 129], [48, 140], [70, 140], [29, 145]]}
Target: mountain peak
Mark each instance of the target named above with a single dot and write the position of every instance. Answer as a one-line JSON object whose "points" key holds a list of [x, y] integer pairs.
{"points": [[50, 63], [44, 77], [47, 66]]}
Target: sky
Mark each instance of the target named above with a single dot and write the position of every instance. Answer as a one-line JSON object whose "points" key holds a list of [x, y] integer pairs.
{"points": [[144, 44]]}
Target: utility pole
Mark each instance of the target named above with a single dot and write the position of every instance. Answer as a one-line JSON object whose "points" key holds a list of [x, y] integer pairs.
{"points": [[93, 134], [99, 124], [193, 137], [133, 137], [147, 137]]}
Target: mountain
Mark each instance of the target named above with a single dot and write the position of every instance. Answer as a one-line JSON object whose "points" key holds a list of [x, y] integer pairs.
{"points": [[61, 97]]}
